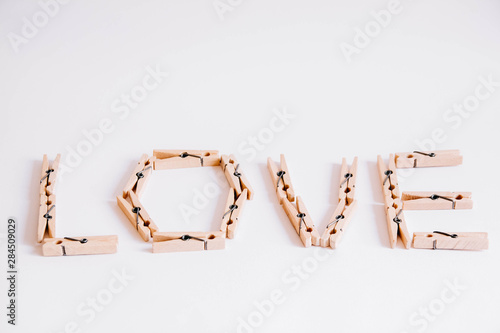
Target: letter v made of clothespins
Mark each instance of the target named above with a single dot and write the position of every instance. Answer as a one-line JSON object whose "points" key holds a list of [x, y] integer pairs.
{"points": [[299, 216]]}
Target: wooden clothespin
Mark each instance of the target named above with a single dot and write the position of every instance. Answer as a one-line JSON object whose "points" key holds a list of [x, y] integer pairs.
{"points": [[396, 223], [234, 207], [235, 176], [281, 179], [302, 222], [436, 200], [422, 159], [140, 177], [297, 214], [438, 240], [129, 202], [173, 159], [345, 208], [137, 215], [339, 221], [192, 241], [69, 246], [47, 210]]}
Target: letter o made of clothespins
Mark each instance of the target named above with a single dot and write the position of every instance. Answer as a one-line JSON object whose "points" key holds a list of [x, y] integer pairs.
{"points": [[239, 192]]}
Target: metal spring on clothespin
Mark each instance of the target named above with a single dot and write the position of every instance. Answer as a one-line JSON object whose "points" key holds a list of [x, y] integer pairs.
{"points": [[347, 176], [136, 211], [230, 211], [280, 175], [337, 219], [421, 153], [47, 176], [186, 154], [302, 221], [435, 197], [388, 174], [188, 237], [434, 243], [140, 174], [236, 173]]}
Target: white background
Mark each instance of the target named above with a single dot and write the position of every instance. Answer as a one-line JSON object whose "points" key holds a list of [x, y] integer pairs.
{"points": [[227, 78]]}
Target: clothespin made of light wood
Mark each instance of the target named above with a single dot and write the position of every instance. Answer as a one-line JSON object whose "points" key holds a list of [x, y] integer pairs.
{"points": [[47, 210], [137, 215], [140, 177], [339, 221], [193, 241], [436, 200], [281, 179], [438, 240], [234, 207], [69, 246], [396, 223], [235, 176], [175, 159], [346, 206], [422, 159], [301, 221]]}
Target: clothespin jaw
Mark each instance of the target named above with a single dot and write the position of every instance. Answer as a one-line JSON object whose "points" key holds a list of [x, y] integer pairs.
{"points": [[396, 223], [236, 178], [436, 200], [48, 178], [348, 177], [69, 246], [338, 223], [438, 240], [175, 159], [422, 159], [47, 209], [233, 208], [137, 215], [281, 179], [290, 193], [192, 241], [139, 178], [144, 176], [45, 176], [301, 220]]}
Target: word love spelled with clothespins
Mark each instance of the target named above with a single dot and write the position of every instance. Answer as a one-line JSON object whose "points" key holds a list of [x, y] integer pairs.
{"points": [[239, 192], [299, 216], [46, 233], [396, 202]]}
